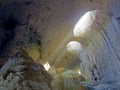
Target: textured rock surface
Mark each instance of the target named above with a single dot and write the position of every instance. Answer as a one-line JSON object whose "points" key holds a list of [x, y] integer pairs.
{"points": [[68, 80], [54, 21], [101, 57], [22, 74]]}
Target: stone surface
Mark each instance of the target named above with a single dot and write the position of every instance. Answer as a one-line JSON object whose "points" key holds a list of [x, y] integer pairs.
{"points": [[23, 74], [54, 21], [101, 58], [68, 80]]}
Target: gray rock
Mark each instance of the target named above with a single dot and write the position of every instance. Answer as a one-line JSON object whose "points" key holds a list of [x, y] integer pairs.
{"points": [[22, 74]]}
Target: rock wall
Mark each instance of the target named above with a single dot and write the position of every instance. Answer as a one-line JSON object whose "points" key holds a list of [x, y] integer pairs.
{"points": [[100, 59], [54, 21]]}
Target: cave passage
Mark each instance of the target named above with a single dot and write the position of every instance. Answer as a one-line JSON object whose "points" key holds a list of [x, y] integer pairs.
{"points": [[60, 45]]}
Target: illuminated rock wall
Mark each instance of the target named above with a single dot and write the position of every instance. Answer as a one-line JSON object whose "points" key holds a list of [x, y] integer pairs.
{"points": [[100, 59]]}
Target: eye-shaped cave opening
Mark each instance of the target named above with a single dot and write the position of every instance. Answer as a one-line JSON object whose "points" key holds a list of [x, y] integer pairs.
{"points": [[59, 45], [72, 50]]}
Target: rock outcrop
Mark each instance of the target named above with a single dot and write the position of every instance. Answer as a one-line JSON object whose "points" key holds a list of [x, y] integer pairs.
{"points": [[24, 74], [67, 80]]}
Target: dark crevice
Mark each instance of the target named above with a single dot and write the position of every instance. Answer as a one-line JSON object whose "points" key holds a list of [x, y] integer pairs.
{"points": [[10, 23], [28, 3], [118, 19], [8, 26]]}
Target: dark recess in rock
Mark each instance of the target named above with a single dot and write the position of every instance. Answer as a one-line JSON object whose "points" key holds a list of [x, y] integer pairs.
{"points": [[7, 32], [28, 3]]}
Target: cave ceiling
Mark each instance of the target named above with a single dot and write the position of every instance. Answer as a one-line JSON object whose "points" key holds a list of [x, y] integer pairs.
{"points": [[53, 21]]}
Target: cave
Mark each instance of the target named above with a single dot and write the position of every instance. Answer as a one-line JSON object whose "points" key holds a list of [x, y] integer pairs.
{"points": [[59, 45]]}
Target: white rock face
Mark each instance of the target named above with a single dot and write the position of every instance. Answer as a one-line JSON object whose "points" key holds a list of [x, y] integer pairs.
{"points": [[102, 53]]}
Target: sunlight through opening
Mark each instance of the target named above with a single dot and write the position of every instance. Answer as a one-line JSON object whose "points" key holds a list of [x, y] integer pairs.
{"points": [[84, 23], [46, 66], [79, 72], [74, 47]]}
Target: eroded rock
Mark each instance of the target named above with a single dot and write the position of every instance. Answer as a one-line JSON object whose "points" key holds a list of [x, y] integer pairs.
{"points": [[23, 74], [67, 80]]}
